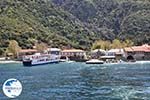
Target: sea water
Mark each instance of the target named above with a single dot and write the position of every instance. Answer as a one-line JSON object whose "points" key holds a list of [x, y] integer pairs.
{"points": [[79, 81]]}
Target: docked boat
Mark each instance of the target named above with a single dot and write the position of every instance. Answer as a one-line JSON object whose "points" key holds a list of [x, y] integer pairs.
{"points": [[94, 61], [39, 59], [64, 59]]}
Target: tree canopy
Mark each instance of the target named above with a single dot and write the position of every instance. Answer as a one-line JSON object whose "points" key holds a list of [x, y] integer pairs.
{"points": [[13, 48], [41, 47], [115, 44], [77, 23]]}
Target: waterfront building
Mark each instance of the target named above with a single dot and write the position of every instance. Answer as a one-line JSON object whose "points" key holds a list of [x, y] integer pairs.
{"points": [[97, 53], [138, 52], [25, 52], [55, 51], [118, 53], [74, 54]]}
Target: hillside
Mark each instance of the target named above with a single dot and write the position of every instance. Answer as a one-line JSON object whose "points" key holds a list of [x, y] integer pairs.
{"points": [[76, 23], [28, 21], [112, 18]]}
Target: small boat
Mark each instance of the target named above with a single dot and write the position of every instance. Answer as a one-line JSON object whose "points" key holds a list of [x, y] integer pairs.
{"points": [[131, 60], [70, 61], [64, 59], [94, 61]]}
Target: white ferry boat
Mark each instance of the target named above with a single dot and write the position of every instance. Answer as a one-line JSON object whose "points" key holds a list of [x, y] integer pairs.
{"points": [[53, 56]]}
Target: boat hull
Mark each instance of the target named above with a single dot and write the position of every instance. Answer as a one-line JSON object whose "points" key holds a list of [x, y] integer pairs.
{"points": [[29, 63], [94, 62]]}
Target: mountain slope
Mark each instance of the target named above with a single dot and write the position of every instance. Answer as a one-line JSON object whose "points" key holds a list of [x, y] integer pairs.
{"points": [[27, 21], [75, 23], [122, 18]]}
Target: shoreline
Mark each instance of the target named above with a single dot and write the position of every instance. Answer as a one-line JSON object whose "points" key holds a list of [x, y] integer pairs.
{"points": [[9, 61], [14, 61]]}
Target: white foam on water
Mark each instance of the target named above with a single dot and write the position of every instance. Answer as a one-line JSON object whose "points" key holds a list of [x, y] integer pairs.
{"points": [[10, 61]]}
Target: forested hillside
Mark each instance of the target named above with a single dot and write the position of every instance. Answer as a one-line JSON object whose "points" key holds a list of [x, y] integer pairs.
{"points": [[113, 18], [75, 23]]}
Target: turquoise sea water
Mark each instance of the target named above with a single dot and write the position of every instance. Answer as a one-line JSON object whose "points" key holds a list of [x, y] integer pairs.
{"points": [[78, 81]]}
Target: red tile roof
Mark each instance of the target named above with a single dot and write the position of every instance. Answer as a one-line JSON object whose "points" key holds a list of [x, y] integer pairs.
{"points": [[143, 48], [72, 50], [128, 49], [27, 50]]}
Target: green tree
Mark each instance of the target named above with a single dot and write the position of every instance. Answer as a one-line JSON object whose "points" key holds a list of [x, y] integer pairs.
{"points": [[116, 44], [41, 47], [128, 43], [100, 44], [13, 48], [1, 51]]}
